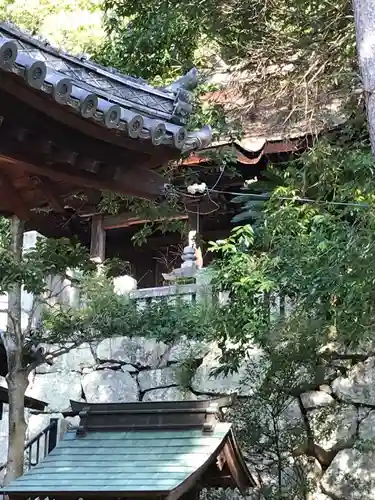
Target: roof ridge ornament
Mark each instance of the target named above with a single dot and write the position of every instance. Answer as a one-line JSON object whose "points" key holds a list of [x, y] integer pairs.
{"points": [[83, 415], [212, 417], [189, 81]]}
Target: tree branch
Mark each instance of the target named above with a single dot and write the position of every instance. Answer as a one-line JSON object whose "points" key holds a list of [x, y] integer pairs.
{"points": [[311, 449], [355, 358]]}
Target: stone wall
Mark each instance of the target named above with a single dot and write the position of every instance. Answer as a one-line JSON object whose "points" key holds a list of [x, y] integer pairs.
{"points": [[122, 369]]}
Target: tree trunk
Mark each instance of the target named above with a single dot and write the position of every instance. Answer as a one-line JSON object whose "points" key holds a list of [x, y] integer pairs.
{"points": [[364, 15], [17, 375], [17, 384]]}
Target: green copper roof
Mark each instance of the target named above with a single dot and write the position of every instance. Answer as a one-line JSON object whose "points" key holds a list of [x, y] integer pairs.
{"points": [[127, 461]]}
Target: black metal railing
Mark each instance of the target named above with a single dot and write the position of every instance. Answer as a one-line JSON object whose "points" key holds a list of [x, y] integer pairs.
{"points": [[42, 444]]}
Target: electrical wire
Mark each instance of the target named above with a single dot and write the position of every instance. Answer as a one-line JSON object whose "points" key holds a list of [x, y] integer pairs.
{"points": [[302, 200], [218, 179], [267, 197], [217, 206]]}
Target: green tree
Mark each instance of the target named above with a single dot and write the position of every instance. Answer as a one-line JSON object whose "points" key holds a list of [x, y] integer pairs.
{"points": [[75, 26], [28, 270], [54, 327], [289, 51], [311, 252]]}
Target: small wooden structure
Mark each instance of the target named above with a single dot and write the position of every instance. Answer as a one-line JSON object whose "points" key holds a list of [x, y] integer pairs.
{"points": [[160, 450], [32, 403], [71, 129]]}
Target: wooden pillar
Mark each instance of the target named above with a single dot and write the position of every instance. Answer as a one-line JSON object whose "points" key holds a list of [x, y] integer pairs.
{"points": [[97, 247]]}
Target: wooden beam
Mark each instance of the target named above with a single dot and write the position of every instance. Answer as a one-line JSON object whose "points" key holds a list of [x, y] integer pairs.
{"points": [[47, 188], [126, 219], [13, 198], [128, 182], [97, 246], [35, 404]]}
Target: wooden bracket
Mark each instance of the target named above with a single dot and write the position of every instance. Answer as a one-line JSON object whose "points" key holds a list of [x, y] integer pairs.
{"points": [[211, 418], [83, 415]]}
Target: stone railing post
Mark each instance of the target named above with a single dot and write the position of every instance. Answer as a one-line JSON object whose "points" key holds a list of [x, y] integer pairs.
{"points": [[203, 279]]}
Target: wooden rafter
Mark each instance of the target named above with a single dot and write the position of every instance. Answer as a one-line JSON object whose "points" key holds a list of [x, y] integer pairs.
{"points": [[126, 182], [127, 219]]}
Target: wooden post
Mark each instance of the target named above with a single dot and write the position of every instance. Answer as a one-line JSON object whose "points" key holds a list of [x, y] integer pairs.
{"points": [[97, 247]]}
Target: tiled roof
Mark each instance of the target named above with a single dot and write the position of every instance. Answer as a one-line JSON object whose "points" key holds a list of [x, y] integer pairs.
{"points": [[125, 462], [151, 449], [262, 117], [109, 98]]}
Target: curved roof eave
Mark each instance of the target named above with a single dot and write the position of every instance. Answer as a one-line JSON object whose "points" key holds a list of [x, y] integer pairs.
{"points": [[102, 95]]}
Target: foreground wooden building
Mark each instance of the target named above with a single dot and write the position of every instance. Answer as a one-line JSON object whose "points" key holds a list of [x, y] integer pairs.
{"points": [[71, 129], [154, 450]]}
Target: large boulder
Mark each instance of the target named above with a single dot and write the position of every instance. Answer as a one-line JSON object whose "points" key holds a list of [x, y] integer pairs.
{"points": [[337, 422], [161, 377], [244, 382], [109, 386], [169, 394], [351, 476], [187, 349], [129, 369], [359, 385], [137, 351], [75, 360], [367, 427], [56, 389], [316, 399]]}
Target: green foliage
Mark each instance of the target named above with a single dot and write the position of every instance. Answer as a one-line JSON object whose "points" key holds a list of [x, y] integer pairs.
{"points": [[316, 252], [151, 39], [172, 31], [293, 44], [48, 257], [255, 195], [158, 216], [74, 25], [310, 248], [4, 231], [105, 314], [269, 428]]}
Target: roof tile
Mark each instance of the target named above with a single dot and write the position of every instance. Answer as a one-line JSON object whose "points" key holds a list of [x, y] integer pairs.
{"points": [[123, 461], [48, 70]]}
